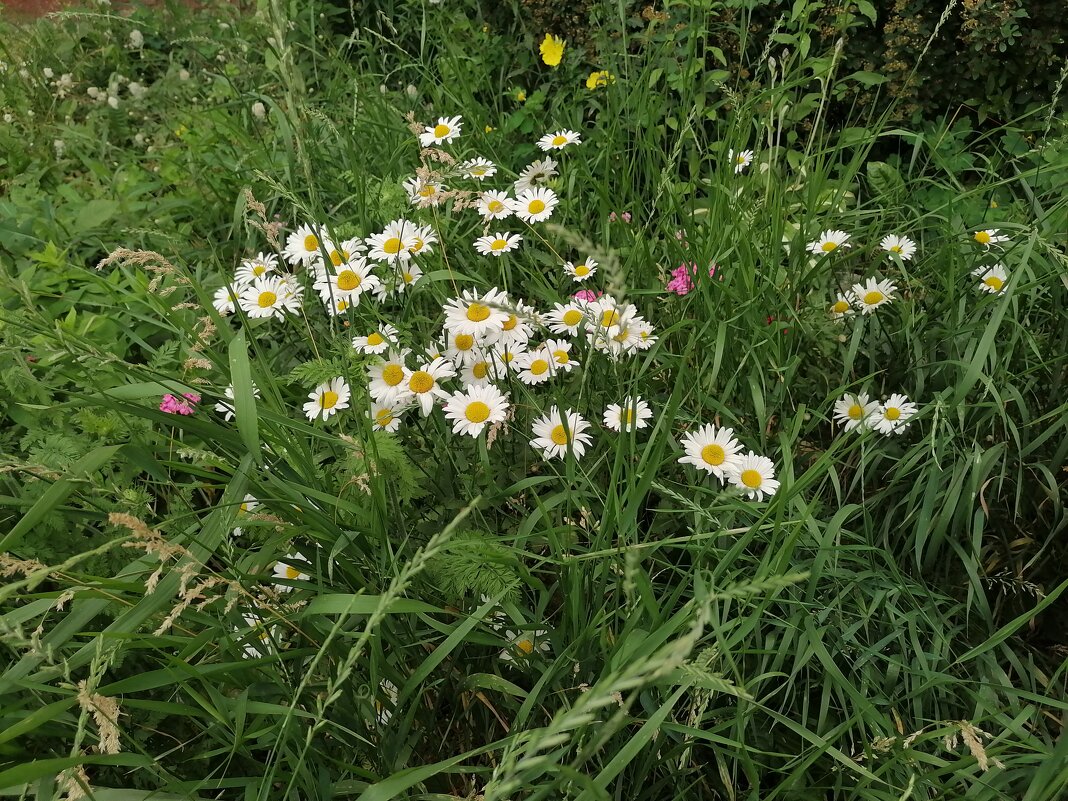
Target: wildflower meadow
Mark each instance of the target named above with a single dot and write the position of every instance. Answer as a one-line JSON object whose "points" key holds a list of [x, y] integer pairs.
{"points": [[463, 400]]}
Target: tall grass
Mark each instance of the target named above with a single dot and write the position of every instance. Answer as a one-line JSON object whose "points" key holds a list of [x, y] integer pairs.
{"points": [[886, 627]]}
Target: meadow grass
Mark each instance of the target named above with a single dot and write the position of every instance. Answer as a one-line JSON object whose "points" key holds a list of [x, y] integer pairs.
{"points": [[887, 625]]}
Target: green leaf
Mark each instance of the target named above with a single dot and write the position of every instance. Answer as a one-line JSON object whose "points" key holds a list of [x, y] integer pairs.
{"points": [[244, 400], [94, 214]]}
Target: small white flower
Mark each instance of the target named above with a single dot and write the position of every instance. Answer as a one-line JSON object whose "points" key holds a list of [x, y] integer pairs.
{"points": [[328, 399], [424, 193], [582, 270], [829, 242], [555, 433], [477, 407], [536, 174], [632, 414], [714, 450], [479, 168], [271, 296], [377, 341], [988, 237], [226, 408], [445, 131], [893, 416], [498, 243], [842, 306], [254, 268], [872, 294], [386, 416], [224, 301], [394, 243], [565, 318], [494, 205], [992, 279], [534, 205], [740, 160], [303, 246], [523, 645], [423, 385], [755, 476], [559, 140], [854, 412], [901, 245], [387, 377], [284, 569]]}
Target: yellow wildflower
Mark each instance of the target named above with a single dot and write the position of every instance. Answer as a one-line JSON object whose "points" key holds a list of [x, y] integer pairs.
{"points": [[521, 96], [600, 79], [552, 50]]}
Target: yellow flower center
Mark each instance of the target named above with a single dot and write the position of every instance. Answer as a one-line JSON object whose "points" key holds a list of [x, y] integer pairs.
{"points": [[421, 382], [384, 417], [244, 507], [856, 411], [713, 454], [582, 270], [428, 191], [874, 297], [739, 159], [259, 270], [982, 237], [328, 400], [895, 248], [536, 206], [480, 369], [408, 278], [291, 572], [622, 335], [476, 312], [498, 244], [559, 140], [752, 478], [840, 307], [342, 305], [267, 299], [827, 247], [572, 317], [511, 322], [893, 413], [559, 436], [477, 412], [347, 281], [336, 257], [392, 245], [495, 206], [441, 131], [507, 356], [561, 356], [539, 367], [375, 339], [464, 342], [478, 171], [994, 282], [610, 318], [311, 242], [626, 417], [393, 375]]}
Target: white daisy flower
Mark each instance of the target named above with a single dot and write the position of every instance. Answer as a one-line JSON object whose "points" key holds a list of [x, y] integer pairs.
{"points": [[251, 269], [901, 245], [272, 296], [536, 174], [249, 504], [632, 414], [495, 619], [872, 294], [384, 709], [284, 569], [605, 320], [377, 341], [328, 399], [992, 279], [424, 237], [349, 283], [387, 378], [475, 408], [714, 450], [447, 129], [257, 643], [462, 349], [226, 407], [423, 193], [534, 205], [559, 140], [302, 246], [516, 330], [535, 367], [990, 236], [422, 385], [347, 251], [556, 432], [645, 338], [225, 300], [494, 205], [565, 318], [755, 476], [893, 416], [842, 306], [479, 168], [829, 241], [385, 416], [498, 243], [394, 243], [582, 270], [479, 372], [854, 412], [523, 645], [740, 160], [476, 314], [560, 351], [506, 357]]}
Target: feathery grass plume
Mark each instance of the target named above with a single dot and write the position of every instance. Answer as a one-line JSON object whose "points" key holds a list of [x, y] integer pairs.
{"points": [[73, 783], [105, 712], [152, 541]]}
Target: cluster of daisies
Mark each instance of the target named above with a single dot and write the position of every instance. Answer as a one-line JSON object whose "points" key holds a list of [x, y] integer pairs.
{"points": [[868, 296], [858, 412]]}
